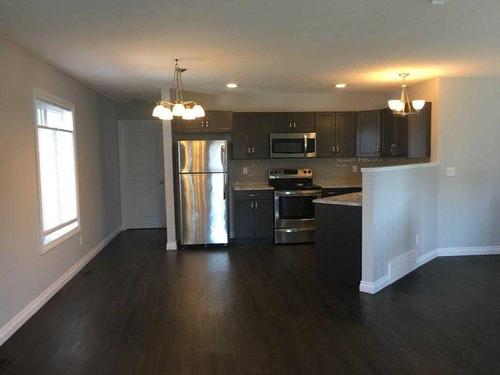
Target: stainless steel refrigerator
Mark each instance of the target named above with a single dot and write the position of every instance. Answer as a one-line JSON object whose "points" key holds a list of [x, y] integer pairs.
{"points": [[203, 192]]}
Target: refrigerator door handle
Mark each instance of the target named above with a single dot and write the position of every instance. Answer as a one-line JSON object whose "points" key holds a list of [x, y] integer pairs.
{"points": [[223, 157], [225, 186]]}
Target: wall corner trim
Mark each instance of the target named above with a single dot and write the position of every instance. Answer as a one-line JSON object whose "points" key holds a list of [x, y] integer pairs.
{"points": [[171, 245], [376, 286], [22, 316]]}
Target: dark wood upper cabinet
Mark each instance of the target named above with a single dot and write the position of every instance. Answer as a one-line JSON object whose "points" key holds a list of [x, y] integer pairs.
{"points": [[336, 134], [408, 136], [285, 122], [368, 127], [213, 122], [345, 134], [419, 133], [325, 134], [251, 136]]}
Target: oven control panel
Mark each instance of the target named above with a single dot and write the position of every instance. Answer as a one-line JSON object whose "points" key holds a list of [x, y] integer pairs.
{"points": [[290, 173]]}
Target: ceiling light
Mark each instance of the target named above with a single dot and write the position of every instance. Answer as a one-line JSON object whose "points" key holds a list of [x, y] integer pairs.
{"points": [[232, 85], [439, 2], [188, 110], [340, 85], [400, 106]]}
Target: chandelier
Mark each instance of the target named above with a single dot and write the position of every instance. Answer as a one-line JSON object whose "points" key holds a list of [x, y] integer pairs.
{"points": [[403, 106], [188, 110]]}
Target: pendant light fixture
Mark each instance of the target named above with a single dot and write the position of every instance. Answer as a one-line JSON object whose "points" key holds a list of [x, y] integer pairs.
{"points": [[188, 110], [403, 106]]}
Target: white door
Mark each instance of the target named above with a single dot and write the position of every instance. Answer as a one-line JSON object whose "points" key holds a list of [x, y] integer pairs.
{"points": [[142, 174]]}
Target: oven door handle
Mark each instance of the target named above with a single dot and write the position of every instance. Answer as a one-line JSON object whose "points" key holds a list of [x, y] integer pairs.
{"points": [[298, 193], [305, 144]]}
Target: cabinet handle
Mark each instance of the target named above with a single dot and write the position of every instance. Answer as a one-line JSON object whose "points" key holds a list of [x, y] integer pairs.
{"points": [[256, 205], [249, 150], [294, 125], [333, 149], [378, 148], [290, 125], [338, 148], [251, 204], [253, 150], [253, 195]]}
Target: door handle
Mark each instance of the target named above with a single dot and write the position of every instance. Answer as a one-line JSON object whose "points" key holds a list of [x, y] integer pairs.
{"points": [[223, 155]]}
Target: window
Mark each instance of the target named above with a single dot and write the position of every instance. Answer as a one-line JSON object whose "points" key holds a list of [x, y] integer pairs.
{"points": [[56, 171]]}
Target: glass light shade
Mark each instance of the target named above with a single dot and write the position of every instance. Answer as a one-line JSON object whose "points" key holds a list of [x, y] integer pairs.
{"points": [[396, 105], [418, 104], [188, 114], [158, 109], [178, 109], [166, 114], [198, 111]]}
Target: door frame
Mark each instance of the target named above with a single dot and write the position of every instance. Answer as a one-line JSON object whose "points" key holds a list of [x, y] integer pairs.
{"points": [[123, 168]]}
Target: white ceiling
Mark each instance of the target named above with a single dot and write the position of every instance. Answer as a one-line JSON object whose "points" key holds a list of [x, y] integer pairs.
{"points": [[125, 48]]}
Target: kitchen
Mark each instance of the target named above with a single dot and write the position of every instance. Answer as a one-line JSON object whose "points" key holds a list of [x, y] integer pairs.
{"points": [[277, 165]]}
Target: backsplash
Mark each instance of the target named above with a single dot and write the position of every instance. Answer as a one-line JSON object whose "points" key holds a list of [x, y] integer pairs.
{"points": [[325, 170]]}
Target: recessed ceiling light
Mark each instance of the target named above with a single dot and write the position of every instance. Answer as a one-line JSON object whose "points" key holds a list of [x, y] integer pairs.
{"points": [[340, 85], [231, 85], [439, 2]]}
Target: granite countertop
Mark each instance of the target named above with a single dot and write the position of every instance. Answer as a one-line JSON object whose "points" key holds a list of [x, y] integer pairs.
{"points": [[333, 184], [353, 199], [239, 186]]}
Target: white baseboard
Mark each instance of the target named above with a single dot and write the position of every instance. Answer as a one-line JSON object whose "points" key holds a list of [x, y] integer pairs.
{"points": [[22, 317], [462, 251], [374, 287], [408, 262], [172, 245], [427, 257]]}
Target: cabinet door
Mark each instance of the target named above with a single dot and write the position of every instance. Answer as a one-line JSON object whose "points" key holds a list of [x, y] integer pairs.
{"points": [[388, 133], [345, 134], [244, 217], [218, 121], [420, 133], [242, 127], [259, 136], [402, 136], [325, 134], [264, 218], [189, 126], [368, 134], [281, 122], [303, 122]]}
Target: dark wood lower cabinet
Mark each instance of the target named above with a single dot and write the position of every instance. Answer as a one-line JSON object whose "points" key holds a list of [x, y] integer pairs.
{"points": [[254, 216], [338, 244]]}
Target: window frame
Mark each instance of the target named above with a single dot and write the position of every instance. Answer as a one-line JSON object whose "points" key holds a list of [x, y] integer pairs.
{"points": [[39, 95]]}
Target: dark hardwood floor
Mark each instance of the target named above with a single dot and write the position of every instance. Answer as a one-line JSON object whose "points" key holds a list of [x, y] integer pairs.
{"points": [[136, 309]]}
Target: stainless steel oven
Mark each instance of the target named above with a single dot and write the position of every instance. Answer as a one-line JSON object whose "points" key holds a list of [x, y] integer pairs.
{"points": [[292, 145], [294, 192]]}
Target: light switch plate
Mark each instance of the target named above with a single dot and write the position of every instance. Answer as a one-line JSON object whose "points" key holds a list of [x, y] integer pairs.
{"points": [[354, 168], [451, 171], [245, 170]]}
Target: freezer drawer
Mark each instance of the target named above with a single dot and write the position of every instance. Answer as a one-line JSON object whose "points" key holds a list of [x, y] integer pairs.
{"points": [[203, 208]]}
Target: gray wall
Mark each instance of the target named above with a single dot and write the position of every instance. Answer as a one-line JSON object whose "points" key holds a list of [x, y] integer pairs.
{"points": [[398, 204], [24, 273], [469, 134]]}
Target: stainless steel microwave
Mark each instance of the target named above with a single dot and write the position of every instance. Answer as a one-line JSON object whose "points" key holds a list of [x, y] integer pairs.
{"points": [[292, 145]]}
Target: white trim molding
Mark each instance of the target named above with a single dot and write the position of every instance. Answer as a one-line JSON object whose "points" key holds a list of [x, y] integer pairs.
{"points": [[409, 262], [172, 245], [376, 286], [22, 317], [463, 251]]}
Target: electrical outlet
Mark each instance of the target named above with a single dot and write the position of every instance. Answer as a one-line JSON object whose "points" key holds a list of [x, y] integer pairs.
{"points": [[245, 170], [355, 168], [417, 239], [81, 241], [451, 171]]}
